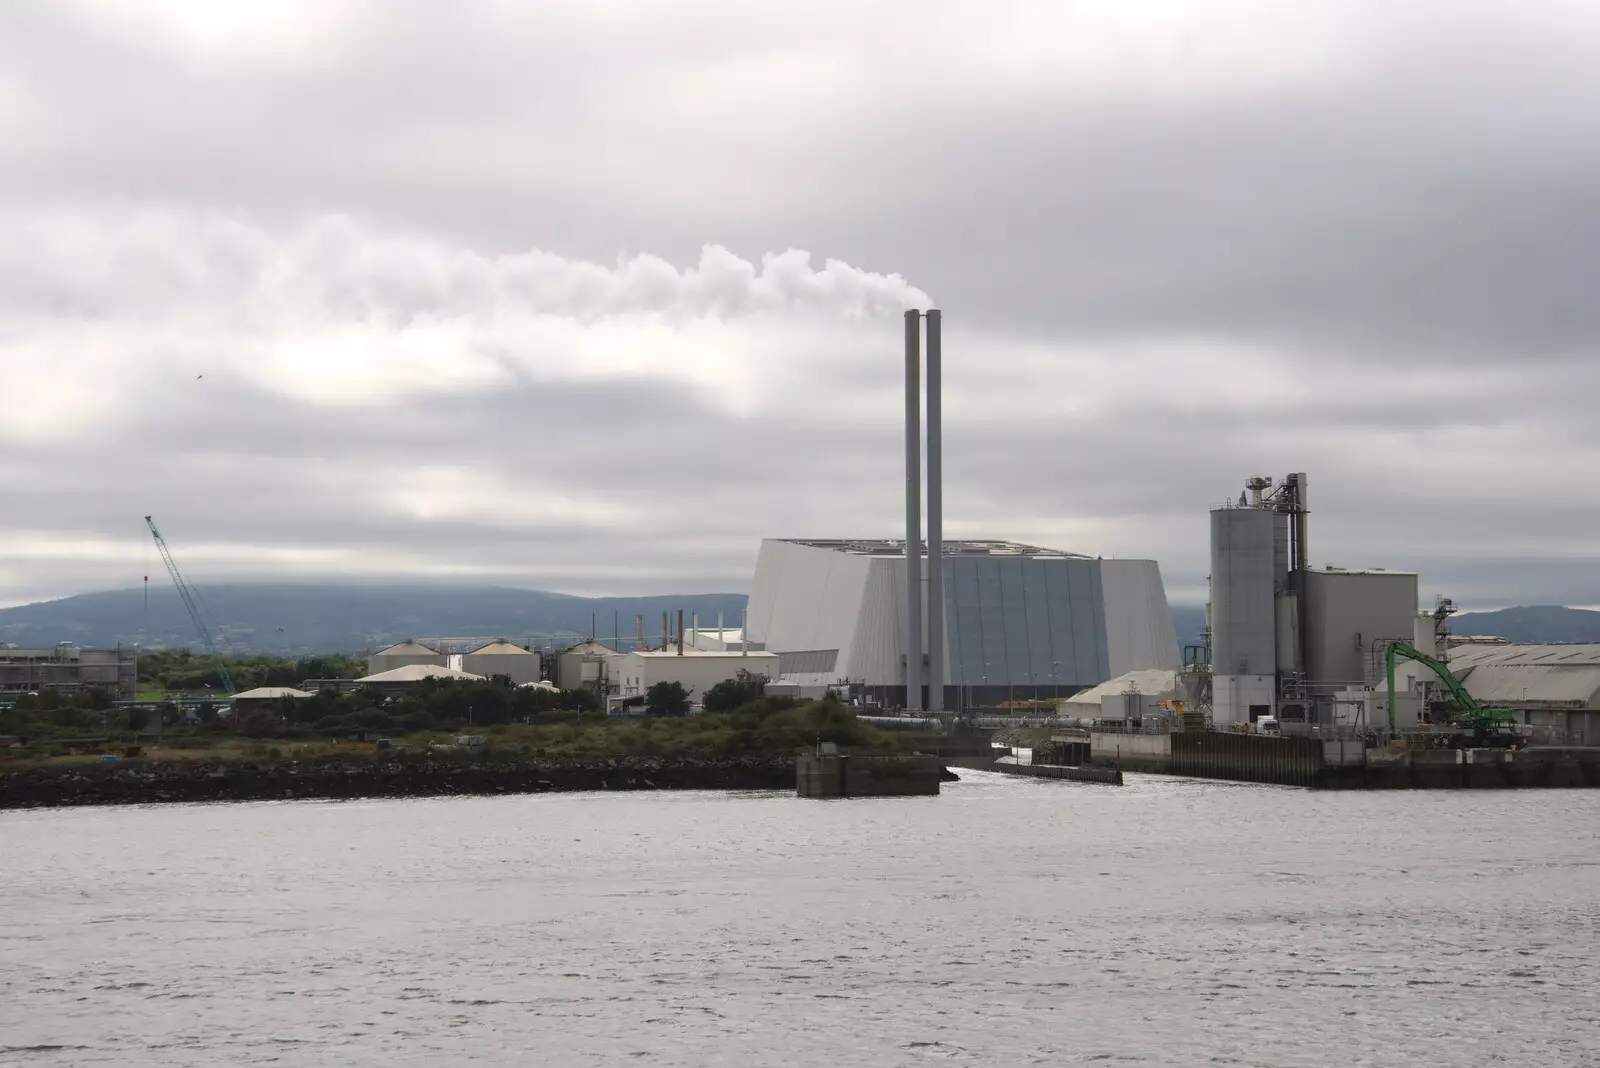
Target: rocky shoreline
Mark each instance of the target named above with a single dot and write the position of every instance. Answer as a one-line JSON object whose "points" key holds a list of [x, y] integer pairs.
{"points": [[133, 782]]}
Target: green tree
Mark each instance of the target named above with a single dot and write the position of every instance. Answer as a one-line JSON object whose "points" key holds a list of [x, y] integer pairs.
{"points": [[667, 699], [138, 718], [733, 693]]}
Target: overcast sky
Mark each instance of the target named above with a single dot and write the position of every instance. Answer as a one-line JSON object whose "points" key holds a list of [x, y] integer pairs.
{"points": [[591, 295]]}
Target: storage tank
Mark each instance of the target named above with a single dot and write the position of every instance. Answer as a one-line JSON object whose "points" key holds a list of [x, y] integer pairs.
{"points": [[1243, 580], [503, 658], [405, 654]]}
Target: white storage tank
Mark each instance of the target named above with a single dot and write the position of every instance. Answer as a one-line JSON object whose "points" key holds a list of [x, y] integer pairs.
{"points": [[405, 654], [502, 658]]}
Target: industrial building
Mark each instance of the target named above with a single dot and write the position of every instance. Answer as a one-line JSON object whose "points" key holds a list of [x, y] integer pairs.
{"points": [[500, 657], [1017, 621], [67, 669], [397, 680], [696, 670], [1552, 688], [405, 654], [585, 666], [1286, 640]]}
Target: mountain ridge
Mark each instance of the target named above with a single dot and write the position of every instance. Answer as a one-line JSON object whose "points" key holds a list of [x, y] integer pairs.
{"points": [[292, 619]]}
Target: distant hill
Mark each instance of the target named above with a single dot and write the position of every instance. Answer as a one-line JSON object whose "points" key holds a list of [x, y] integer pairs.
{"points": [[290, 620], [1189, 624], [1538, 623]]}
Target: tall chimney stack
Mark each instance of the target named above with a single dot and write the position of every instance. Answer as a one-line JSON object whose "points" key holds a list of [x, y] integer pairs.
{"points": [[680, 632], [935, 518], [913, 513]]}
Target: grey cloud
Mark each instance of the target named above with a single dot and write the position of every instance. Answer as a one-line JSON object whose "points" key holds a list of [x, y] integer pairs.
{"points": [[1402, 241]]}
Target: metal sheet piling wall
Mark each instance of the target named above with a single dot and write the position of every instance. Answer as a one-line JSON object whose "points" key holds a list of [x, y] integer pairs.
{"points": [[1247, 758]]}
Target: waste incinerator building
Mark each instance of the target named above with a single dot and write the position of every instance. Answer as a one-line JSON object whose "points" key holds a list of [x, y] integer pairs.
{"points": [[1020, 622]]}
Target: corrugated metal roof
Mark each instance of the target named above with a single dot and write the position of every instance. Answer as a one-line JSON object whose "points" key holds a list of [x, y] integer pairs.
{"points": [[897, 547], [407, 648], [1152, 682], [734, 654], [1512, 684], [267, 693], [418, 672], [1557, 676], [1572, 655], [500, 649]]}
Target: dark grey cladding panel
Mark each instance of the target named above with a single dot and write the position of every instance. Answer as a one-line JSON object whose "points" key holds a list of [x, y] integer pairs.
{"points": [[1025, 622]]}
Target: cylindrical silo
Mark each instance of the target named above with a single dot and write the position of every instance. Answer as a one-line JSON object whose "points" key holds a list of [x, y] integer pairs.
{"points": [[1243, 617]]}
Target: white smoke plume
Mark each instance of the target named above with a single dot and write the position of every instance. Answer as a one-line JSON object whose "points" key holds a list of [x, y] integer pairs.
{"points": [[155, 262]]}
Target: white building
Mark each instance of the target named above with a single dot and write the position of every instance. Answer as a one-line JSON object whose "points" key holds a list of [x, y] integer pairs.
{"points": [[410, 674], [405, 654], [586, 666], [1020, 621], [634, 673], [502, 658]]}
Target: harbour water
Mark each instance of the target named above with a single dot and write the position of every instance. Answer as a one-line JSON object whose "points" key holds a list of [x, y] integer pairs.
{"points": [[1007, 922]]}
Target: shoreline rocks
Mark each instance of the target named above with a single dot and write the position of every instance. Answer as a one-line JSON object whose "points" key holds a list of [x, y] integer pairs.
{"points": [[132, 782]]}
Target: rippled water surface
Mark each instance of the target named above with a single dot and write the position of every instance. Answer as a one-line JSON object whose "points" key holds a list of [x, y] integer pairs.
{"points": [[1008, 922]]}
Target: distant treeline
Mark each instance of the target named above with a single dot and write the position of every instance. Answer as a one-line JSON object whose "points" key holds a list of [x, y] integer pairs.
{"points": [[183, 671], [540, 720]]}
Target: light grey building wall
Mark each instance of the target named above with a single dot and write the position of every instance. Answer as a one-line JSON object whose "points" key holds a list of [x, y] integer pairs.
{"points": [[66, 667], [404, 654], [502, 658], [1349, 617], [1020, 621]]}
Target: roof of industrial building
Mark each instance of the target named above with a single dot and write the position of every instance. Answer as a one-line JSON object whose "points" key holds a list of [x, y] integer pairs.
{"points": [[702, 653], [589, 647], [1152, 682], [268, 693], [500, 648], [418, 672], [1566, 676], [409, 647], [1329, 569], [897, 547]]}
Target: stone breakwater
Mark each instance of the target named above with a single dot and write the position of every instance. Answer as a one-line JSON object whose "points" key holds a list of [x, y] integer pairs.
{"points": [[150, 781]]}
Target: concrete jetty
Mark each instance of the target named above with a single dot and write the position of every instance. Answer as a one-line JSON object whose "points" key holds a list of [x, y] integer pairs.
{"points": [[826, 772]]}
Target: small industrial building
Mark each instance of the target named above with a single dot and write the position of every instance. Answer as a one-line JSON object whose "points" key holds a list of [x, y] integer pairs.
{"points": [[405, 654], [500, 657], [406, 676], [695, 669], [586, 666], [66, 668], [1019, 621]]}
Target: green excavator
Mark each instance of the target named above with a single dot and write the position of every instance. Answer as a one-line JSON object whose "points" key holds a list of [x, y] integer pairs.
{"points": [[1490, 727]]}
